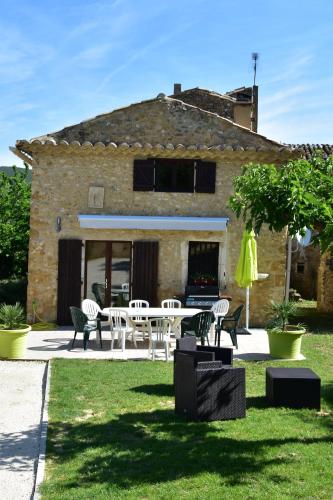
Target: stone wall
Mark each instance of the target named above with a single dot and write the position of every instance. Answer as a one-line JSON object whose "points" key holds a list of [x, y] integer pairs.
{"points": [[209, 101], [60, 188], [225, 106], [325, 284]]}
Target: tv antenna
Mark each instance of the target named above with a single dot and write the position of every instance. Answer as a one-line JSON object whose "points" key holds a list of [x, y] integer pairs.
{"points": [[255, 56], [254, 97]]}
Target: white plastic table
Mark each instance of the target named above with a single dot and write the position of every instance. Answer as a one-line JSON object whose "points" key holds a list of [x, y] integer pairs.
{"points": [[176, 314]]}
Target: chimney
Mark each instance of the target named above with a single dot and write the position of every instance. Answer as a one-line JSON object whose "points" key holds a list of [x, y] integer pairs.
{"points": [[177, 88]]}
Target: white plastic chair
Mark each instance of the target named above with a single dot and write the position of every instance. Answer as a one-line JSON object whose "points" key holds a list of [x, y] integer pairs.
{"points": [[121, 325], [220, 309], [91, 309], [140, 321], [159, 330], [173, 303], [138, 303]]}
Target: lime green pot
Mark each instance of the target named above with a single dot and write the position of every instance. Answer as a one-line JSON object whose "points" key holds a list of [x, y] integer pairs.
{"points": [[286, 344], [13, 342]]}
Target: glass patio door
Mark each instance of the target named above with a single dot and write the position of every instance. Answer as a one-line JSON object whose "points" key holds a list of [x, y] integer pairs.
{"points": [[108, 272]]}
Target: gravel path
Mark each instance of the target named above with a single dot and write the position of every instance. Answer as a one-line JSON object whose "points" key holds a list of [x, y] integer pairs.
{"points": [[21, 394]]}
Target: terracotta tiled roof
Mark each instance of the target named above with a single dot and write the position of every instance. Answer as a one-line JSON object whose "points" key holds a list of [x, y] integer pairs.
{"points": [[308, 150], [21, 144]]}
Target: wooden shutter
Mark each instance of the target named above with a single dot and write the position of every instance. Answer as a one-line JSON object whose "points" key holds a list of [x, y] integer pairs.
{"points": [[145, 269], [69, 279], [143, 175], [205, 177]]}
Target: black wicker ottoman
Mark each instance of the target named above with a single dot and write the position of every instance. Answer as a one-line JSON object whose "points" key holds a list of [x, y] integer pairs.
{"points": [[293, 387]]}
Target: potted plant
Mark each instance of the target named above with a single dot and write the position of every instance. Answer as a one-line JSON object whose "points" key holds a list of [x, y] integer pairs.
{"points": [[284, 339], [13, 331], [203, 279]]}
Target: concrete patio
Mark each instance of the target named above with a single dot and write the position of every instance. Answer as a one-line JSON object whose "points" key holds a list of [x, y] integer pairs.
{"points": [[45, 345]]}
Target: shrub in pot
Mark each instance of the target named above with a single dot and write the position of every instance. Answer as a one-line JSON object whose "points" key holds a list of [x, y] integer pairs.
{"points": [[13, 331], [202, 279], [284, 339]]}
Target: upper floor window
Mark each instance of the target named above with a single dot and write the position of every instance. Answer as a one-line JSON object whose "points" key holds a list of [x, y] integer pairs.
{"points": [[174, 175]]}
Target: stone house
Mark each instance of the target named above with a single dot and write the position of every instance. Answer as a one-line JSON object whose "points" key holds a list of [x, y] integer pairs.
{"points": [[135, 201]]}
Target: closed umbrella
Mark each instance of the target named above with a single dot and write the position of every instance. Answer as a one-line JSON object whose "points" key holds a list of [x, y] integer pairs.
{"points": [[246, 271]]}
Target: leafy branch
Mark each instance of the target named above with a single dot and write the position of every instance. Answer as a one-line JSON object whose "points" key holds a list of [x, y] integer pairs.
{"points": [[298, 194]]}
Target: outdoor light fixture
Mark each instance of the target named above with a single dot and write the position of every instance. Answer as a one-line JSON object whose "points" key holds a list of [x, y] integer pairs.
{"points": [[263, 276], [58, 226]]}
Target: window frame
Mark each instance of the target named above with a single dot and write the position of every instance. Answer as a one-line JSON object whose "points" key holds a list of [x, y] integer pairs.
{"points": [[208, 271], [146, 176]]}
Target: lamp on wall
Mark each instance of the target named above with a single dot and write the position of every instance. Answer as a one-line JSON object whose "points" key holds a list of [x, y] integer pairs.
{"points": [[58, 224]]}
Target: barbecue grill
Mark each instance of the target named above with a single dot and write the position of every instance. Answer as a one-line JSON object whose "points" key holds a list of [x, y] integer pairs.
{"points": [[202, 297]]}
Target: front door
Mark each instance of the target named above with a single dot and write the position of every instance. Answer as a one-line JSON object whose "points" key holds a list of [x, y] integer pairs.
{"points": [[108, 272]]}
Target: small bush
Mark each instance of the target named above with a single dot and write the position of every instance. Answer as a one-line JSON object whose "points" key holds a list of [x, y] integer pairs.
{"points": [[11, 316], [282, 311], [13, 291]]}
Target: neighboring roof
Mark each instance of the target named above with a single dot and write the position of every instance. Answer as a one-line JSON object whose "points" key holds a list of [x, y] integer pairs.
{"points": [[162, 122], [199, 90], [208, 100], [309, 150], [242, 94]]}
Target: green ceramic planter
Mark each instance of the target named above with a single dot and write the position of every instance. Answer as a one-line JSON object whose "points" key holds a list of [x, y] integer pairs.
{"points": [[13, 343], [286, 344]]}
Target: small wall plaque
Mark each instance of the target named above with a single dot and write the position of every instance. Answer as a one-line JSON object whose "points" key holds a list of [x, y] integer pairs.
{"points": [[96, 197]]}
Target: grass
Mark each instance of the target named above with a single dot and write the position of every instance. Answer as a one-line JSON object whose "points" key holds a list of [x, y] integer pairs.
{"points": [[113, 434]]}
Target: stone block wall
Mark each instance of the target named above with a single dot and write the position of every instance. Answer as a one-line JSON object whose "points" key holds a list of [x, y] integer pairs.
{"points": [[209, 101], [325, 284], [60, 188]]}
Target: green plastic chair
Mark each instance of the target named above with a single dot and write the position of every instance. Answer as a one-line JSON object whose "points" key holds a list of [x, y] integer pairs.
{"points": [[82, 325], [229, 324], [199, 326]]}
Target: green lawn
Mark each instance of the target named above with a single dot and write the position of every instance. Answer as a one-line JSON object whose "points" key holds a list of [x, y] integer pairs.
{"points": [[113, 434]]}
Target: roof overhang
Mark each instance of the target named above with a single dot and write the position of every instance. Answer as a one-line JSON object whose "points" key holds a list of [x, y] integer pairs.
{"points": [[163, 223]]}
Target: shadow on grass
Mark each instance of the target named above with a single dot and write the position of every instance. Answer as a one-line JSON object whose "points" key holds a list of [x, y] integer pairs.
{"points": [[315, 322], [137, 449], [155, 389], [259, 402]]}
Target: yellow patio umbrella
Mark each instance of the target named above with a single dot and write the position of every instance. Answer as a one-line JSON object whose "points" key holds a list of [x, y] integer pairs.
{"points": [[246, 271]]}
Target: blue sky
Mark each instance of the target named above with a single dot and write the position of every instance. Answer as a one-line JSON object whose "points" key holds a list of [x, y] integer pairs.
{"points": [[62, 62]]}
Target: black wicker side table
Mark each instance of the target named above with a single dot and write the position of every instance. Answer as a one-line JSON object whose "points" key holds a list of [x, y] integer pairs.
{"points": [[293, 387]]}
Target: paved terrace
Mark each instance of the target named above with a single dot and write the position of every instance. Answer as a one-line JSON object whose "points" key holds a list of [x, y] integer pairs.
{"points": [[44, 345]]}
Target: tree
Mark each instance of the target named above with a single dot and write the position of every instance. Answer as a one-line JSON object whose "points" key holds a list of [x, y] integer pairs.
{"points": [[15, 193], [298, 195]]}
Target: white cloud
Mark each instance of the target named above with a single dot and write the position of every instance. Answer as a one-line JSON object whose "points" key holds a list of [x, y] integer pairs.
{"points": [[19, 57], [282, 95], [93, 56], [313, 129], [293, 68], [142, 52]]}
